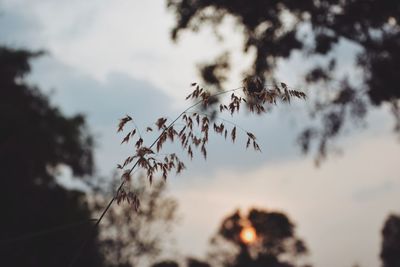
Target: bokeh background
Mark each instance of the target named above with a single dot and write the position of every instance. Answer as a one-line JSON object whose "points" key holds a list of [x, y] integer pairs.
{"points": [[105, 59]]}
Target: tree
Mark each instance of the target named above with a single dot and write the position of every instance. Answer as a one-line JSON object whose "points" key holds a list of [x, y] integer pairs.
{"points": [[390, 251], [190, 262], [167, 263], [275, 29], [129, 238], [273, 242], [42, 222]]}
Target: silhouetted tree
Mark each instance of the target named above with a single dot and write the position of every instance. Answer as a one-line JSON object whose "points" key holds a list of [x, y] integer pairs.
{"points": [[191, 262], [275, 242], [36, 140], [167, 263], [274, 29], [390, 251]]}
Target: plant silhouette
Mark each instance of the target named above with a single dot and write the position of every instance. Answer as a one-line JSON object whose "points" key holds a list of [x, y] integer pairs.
{"points": [[194, 134]]}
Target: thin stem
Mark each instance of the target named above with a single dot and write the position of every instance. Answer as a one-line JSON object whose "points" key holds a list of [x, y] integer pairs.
{"points": [[137, 128]]}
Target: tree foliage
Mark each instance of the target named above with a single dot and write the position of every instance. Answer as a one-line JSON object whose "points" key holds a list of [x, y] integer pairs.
{"points": [[36, 139], [131, 237], [274, 29], [390, 250], [276, 243]]}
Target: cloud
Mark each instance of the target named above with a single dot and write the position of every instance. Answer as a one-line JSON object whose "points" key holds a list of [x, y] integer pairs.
{"points": [[17, 30], [372, 192], [101, 37], [103, 103], [338, 228]]}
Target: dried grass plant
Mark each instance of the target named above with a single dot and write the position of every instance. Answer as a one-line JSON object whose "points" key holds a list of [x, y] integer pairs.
{"points": [[191, 134]]}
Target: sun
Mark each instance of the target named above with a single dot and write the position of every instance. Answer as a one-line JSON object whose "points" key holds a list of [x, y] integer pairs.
{"points": [[248, 235]]}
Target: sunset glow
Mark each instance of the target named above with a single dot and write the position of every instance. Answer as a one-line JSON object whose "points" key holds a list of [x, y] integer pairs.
{"points": [[248, 235]]}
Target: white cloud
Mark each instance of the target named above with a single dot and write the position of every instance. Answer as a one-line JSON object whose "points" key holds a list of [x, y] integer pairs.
{"points": [[133, 37]]}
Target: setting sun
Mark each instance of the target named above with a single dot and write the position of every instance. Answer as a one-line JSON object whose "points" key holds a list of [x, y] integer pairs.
{"points": [[248, 235]]}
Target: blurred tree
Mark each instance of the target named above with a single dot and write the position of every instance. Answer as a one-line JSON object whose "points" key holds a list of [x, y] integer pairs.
{"points": [[273, 29], [127, 238], [260, 239], [167, 263], [390, 251], [36, 140], [273, 243], [190, 262]]}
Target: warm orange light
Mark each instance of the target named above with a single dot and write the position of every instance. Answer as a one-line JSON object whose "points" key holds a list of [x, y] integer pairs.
{"points": [[248, 235]]}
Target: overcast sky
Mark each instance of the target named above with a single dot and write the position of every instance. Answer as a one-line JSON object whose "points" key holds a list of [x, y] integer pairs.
{"points": [[111, 58]]}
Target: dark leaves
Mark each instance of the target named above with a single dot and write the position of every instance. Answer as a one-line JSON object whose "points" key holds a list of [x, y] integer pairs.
{"points": [[126, 138], [139, 143], [129, 197], [161, 123], [122, 123], [250, 135], [252, 84], [126, 176], [233, 134]]}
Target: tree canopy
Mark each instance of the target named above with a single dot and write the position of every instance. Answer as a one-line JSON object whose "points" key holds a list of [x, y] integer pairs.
{"points": [[274, 29], [136, 238], [275, 242], [42, 222], [390, 251]]}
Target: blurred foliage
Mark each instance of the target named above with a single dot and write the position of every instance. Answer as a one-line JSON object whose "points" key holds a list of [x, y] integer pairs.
{"points": [[36, 139], [43, 223], [274, 29], [190, 262], [215, 73], [166, 264], [276, 243], [390, 251], [129, 238]]}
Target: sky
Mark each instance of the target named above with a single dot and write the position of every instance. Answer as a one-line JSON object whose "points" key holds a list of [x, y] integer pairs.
{"points": [[111, 58]]}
